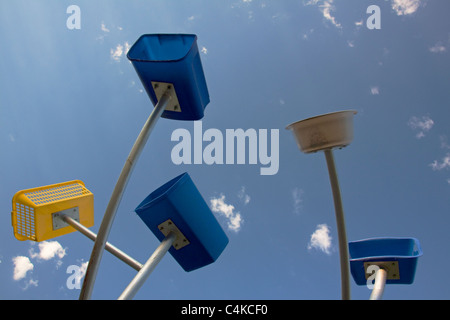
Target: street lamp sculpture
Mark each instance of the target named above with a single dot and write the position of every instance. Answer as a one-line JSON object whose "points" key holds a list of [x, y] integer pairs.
{"points": [[385, 260], [171, 72], [323, 133]]}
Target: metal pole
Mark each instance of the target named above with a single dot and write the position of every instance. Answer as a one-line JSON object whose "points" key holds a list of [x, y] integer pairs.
{"points": [[148, 267], [340, 221], [109, 247], [108, 218], [380, 283]]}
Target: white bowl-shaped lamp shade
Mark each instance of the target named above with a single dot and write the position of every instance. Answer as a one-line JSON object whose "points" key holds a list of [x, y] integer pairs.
{"points": [[331, 130]]}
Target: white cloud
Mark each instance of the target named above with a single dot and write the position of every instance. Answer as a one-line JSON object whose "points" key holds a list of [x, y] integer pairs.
{"points": [[444, 143], [48, 250], [119, 51], [234, 219], [21, 266], [444, 164], [405, 7], [321, 239], [375, 91], [423, 125], [297, 197], [438, 48], [103, 27], [244, 196], [326, 7], [82, 271], [306, 35]]}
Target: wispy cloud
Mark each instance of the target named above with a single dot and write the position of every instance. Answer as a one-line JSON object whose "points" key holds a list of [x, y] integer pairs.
{"points": [[297, 198], [321, 239], [374, 91], [82, 271], [440, 165], [243, 196], [234, 218], [327, 8], [405, 7], [438, 48], [422, 125], [444, 143], [119, 51], [104, 28]]}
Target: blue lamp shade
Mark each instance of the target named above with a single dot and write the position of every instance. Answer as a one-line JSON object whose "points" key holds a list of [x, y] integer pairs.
{"points": [[180, 202], [402, 252], [172, 59]]}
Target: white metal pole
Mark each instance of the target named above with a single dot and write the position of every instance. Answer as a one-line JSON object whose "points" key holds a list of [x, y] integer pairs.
{"points": [[108, 218], [380, 283], [340, 221], [131, 290], [108, 247]]}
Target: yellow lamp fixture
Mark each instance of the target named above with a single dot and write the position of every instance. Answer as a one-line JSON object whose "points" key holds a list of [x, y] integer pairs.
{"points": [[36, 213]]}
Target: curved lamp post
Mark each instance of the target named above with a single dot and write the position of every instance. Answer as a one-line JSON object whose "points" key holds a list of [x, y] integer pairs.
{"points": [[323, 133], [171, 72]]}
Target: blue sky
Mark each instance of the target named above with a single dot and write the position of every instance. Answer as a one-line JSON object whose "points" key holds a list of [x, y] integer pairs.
{"points": [[71, 106]]}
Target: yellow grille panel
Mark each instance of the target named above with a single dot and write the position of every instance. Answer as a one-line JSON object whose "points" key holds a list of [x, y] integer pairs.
{"points": [[58, 193], [25, 221], [33, 208]]}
